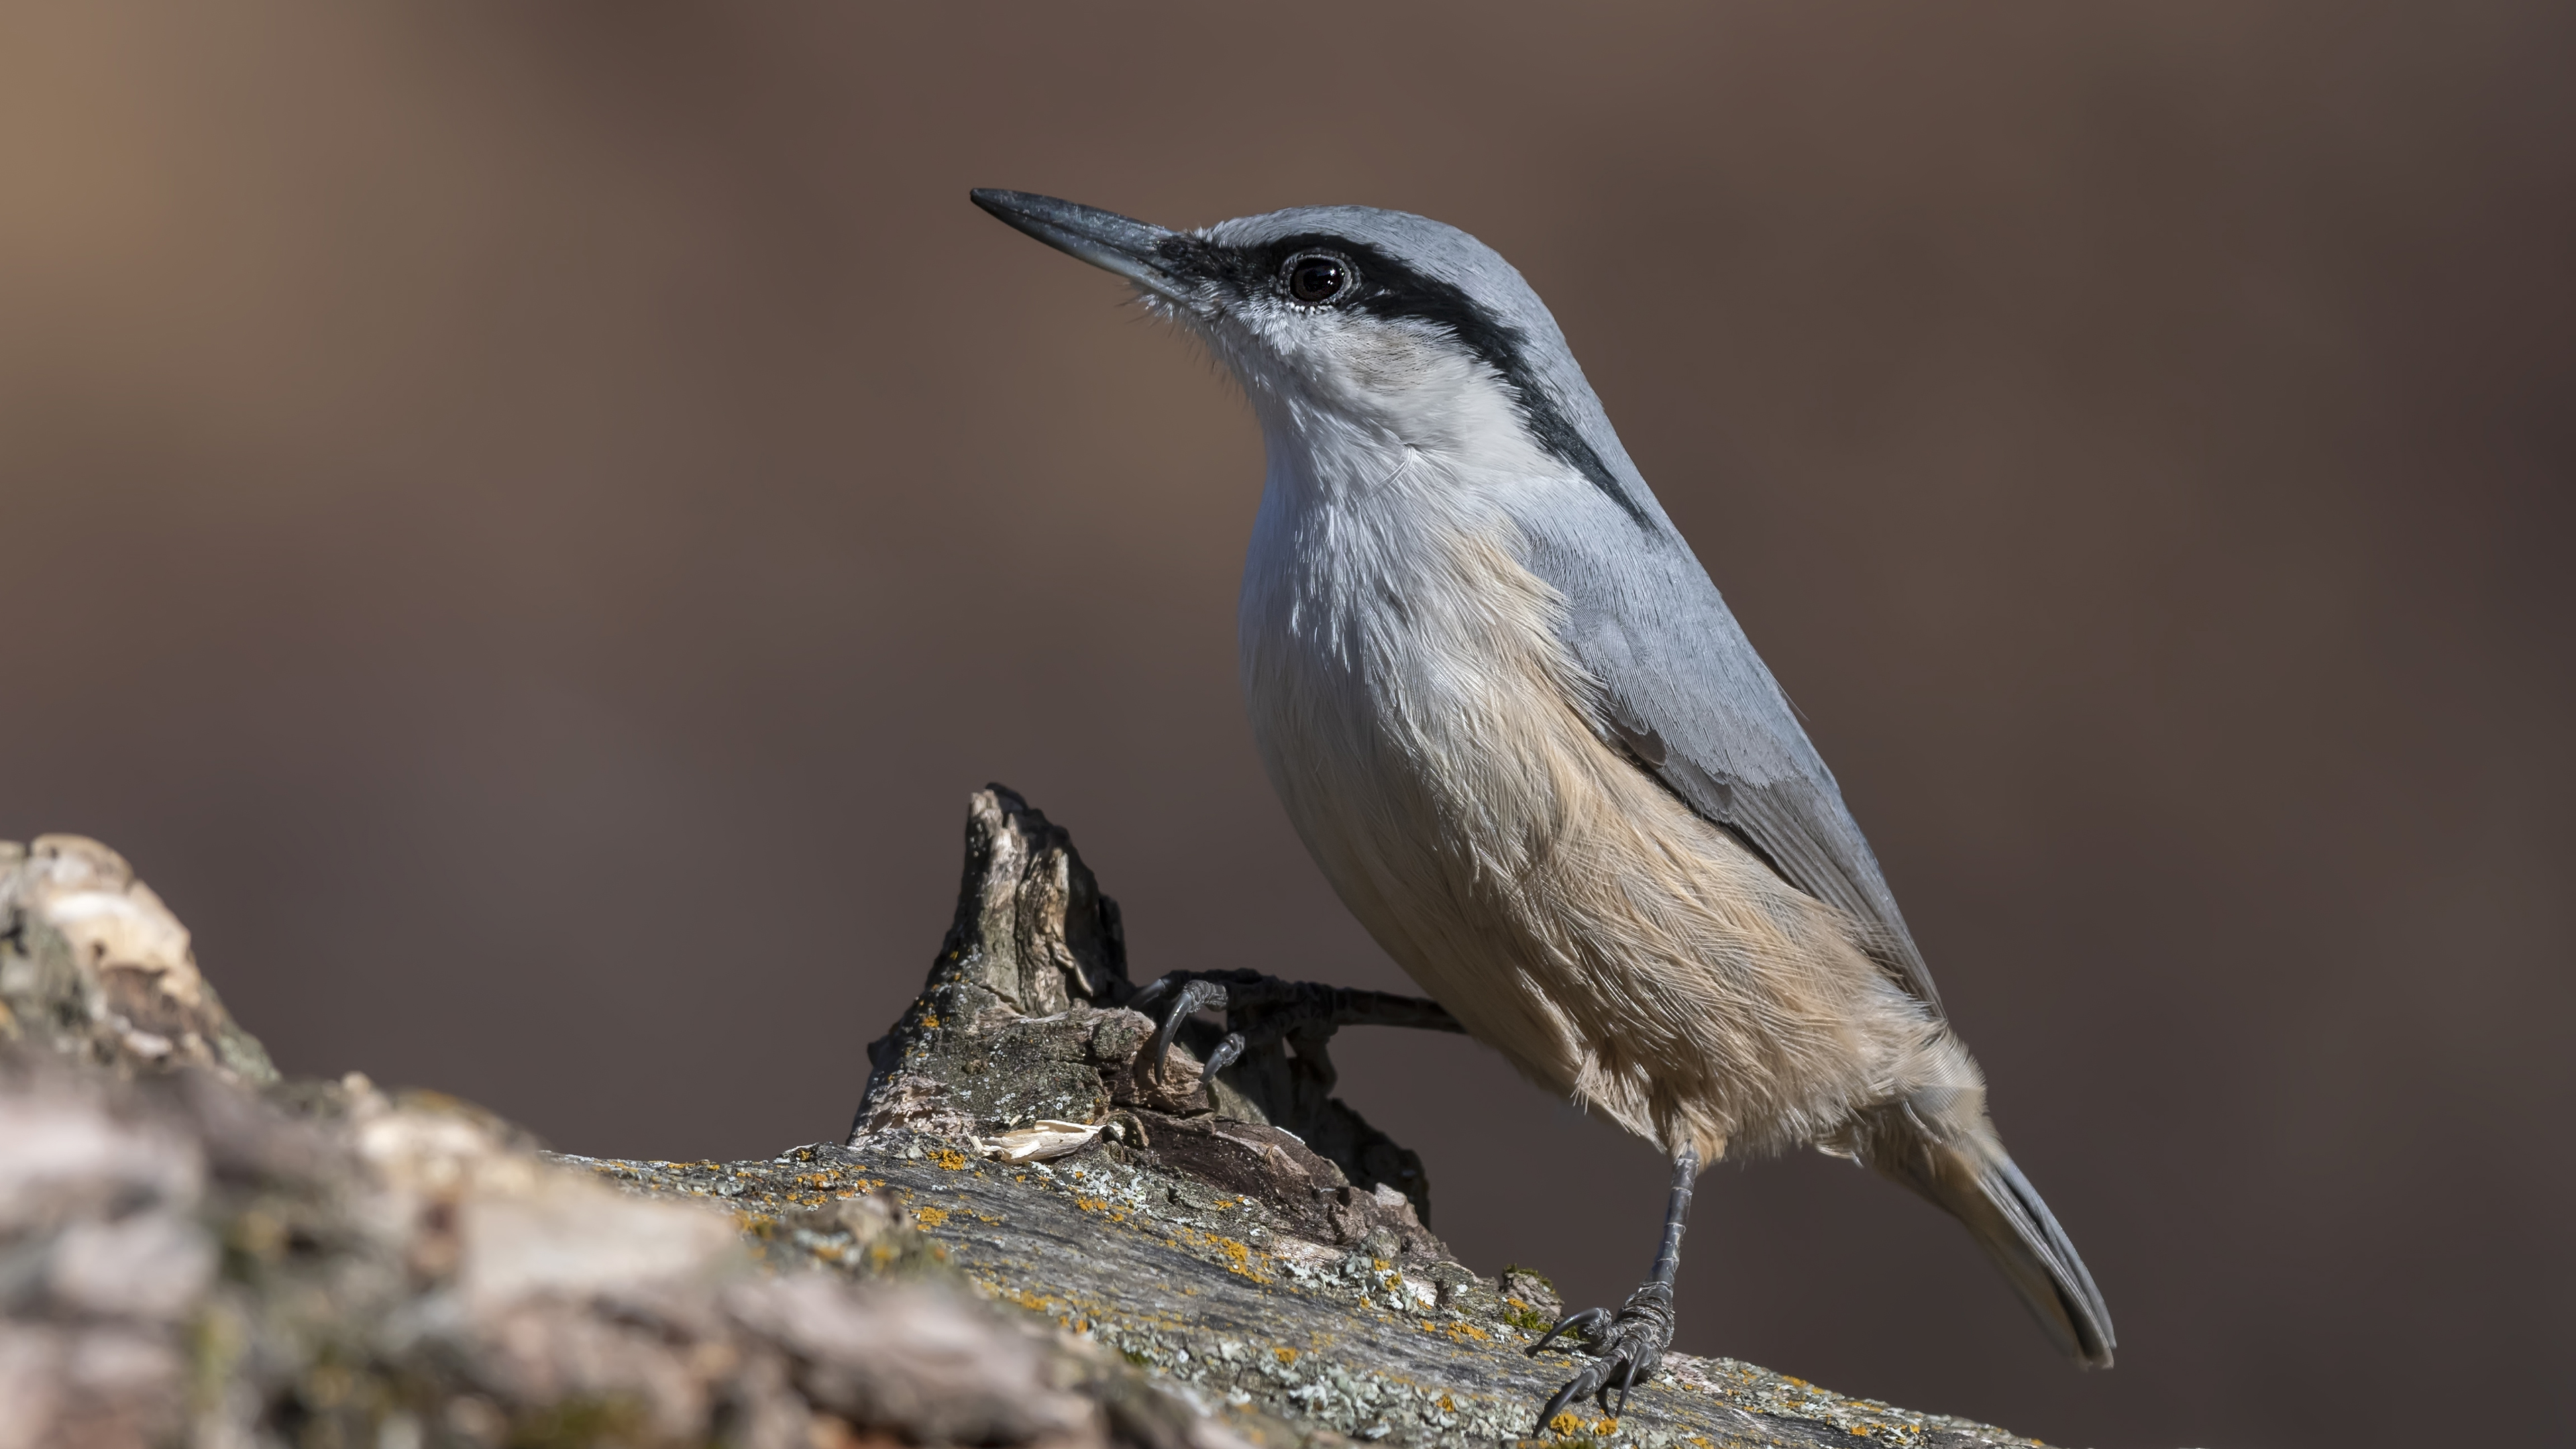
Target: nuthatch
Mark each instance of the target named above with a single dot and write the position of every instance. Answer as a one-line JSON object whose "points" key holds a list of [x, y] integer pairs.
{"points": [[1535, 754]]}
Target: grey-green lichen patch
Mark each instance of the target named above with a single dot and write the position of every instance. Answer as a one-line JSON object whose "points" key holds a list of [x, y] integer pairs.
{"points": [[1219, 1292]]}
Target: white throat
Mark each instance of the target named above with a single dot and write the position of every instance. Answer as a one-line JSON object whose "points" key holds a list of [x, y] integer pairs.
{"points": [[1375, 485]]}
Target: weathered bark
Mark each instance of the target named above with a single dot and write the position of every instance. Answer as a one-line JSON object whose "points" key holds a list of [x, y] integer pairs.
{"points": [[193, 1252], [1256, 1238], [93, 965]]}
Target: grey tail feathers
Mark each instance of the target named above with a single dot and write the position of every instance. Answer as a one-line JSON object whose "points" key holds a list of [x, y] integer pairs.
{"points": [[1963, 1168]]}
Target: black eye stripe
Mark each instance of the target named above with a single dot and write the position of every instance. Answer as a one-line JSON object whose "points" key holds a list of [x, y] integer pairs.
{"points": [[1386, 287]]}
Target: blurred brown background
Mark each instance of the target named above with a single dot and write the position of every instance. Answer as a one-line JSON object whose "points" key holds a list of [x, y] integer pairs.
{"points": [[527, 522]]}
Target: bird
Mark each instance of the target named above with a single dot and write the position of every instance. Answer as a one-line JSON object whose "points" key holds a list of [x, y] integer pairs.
{"points": [[1529, 746]]}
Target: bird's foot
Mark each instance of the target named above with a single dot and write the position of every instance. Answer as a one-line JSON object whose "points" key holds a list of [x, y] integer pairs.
{"points": [[1263, 1010], [1626, 1347]]}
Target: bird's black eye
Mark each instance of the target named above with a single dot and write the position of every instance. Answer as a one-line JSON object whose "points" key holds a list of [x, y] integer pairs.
{"points": [[1316, 279]]}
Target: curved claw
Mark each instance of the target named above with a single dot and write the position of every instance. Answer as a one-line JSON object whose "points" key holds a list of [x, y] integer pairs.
{"points": [[1575, 1388], [1627, 1381], [1263, 1010], [1588, 1323], [1630, 1347], [1193, 996], [1225, 1054]]}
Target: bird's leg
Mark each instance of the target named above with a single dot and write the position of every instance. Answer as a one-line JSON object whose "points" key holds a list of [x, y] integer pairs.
{"points": [[1629, 1344], [1262, 1009]]}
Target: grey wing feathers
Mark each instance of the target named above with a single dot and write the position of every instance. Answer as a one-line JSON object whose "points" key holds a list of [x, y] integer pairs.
{"points": [[1683, 689]]}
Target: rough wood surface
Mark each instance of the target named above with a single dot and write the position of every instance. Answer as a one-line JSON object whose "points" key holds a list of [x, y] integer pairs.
{"points": [[1256, 1239], [1025, 1240]]}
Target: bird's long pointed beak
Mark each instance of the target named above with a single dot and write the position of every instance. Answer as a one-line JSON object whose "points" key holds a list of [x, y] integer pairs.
{"points": [[1131, 248]]}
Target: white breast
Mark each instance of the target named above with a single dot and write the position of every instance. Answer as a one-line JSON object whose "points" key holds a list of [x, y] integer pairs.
{"points": [[1407, 690]]}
